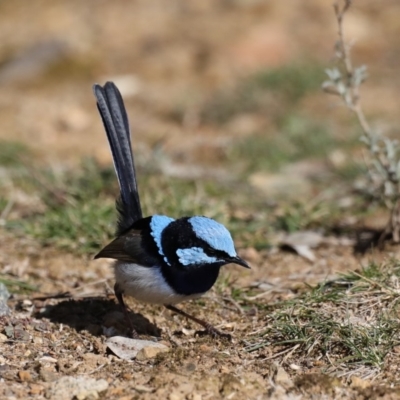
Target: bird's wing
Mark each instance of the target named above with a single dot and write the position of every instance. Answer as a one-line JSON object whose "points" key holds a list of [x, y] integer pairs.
{"points": [[129, 247], [112, 110]]}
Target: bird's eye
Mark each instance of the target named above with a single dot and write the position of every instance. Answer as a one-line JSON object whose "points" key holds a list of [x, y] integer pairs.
{"points": [[215, 253]]}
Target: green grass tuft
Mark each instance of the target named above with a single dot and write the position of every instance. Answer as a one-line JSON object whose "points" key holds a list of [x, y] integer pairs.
{"points": [[351, 320]]}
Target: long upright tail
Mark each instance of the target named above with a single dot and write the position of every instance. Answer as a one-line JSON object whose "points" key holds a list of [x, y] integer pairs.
{"points": [[115, 120]]}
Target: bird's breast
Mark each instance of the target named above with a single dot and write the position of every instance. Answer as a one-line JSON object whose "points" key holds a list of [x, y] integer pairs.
{"points": [[148, 284]]}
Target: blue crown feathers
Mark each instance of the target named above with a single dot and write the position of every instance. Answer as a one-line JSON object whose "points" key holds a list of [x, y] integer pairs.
{"points": [[213, 233]]}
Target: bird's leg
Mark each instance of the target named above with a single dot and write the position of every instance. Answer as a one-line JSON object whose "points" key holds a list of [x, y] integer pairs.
{"points": [[118, 294], [211, 330]]}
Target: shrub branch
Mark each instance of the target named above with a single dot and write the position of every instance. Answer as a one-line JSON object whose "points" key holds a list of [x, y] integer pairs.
{"points": [[384, 155]]}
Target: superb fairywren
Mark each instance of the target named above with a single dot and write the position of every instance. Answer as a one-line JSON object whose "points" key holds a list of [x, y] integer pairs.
{"points": [[158, 259]]}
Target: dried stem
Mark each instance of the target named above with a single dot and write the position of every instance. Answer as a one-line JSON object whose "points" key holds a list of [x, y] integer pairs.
{"points": [[343, 53], [384, 153]]}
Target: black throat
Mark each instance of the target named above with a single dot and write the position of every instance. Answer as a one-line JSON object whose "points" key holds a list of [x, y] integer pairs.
{"points": [[192, 280]]}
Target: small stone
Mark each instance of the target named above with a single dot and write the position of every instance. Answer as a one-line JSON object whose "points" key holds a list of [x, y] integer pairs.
{"points": [[47, 359], [359, 383], [4, 296], [175, 395], [190, 367], [21, 334], [188, 332], [47, 375], [96, 359], [282, 378], [4, 293], [40, 326], [9, 331], [143, 389], [37, 340], [205, 349], [150, 352], [4, 309], [3, 338], [81, 388], [25, 376], [128, 349], [36, 389]]}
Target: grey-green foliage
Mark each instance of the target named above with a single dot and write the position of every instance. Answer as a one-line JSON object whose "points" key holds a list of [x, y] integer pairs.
{"points": [[384, 155]]}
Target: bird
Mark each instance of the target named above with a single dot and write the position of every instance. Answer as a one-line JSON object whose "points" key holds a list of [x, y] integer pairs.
{"points": [[158, 259]]}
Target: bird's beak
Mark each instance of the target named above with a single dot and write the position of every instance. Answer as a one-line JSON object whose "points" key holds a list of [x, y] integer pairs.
{"points": [[239, 261]]}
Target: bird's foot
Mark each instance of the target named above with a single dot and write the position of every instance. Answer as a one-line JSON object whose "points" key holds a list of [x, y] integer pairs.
{"points": [[214, 332], [132, 333], [209, 329]]}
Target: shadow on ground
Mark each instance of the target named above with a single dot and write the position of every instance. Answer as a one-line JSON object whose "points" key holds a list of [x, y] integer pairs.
{"points": [[96, 315]]}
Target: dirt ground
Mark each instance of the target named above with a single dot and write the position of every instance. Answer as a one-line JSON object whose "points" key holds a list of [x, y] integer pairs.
{"points": [[170, 60], [47, 339]]}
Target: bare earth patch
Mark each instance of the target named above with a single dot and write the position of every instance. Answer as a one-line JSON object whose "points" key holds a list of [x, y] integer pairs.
{"points": [[46, 340]]}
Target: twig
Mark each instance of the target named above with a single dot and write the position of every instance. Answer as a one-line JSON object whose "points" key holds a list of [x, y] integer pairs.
{"points": [[384, 152], [344, 55]]}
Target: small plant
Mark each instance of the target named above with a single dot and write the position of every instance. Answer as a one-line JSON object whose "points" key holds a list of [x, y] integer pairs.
{"points": [[383, 154], [351, 320]]}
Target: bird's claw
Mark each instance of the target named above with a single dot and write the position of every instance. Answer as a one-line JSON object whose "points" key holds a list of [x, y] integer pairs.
{"points": [[214, 333]]}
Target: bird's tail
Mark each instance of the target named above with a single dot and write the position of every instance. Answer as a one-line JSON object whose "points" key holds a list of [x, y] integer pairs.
{"points": [[115, 120]]}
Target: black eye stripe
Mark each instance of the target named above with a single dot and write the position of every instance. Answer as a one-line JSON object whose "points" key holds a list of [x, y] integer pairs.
{"points": [[215, 253]]}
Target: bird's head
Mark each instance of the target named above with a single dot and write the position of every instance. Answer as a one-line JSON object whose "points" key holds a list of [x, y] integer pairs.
{"points": [[194, 242]]}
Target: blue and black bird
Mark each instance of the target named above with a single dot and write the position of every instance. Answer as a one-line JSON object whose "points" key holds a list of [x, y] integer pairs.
{"points": [[158, 259]]}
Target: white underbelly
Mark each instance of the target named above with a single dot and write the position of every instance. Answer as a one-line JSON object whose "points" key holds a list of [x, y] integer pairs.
{"points": [[147, 284]]}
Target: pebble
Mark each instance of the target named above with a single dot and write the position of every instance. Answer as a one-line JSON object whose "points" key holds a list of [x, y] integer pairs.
{"points": [[25, 376], [37, 340], [35, 389], [150, 352], [128, 349], [4, 293], [282, 378], [4, 296], [81, 388]]}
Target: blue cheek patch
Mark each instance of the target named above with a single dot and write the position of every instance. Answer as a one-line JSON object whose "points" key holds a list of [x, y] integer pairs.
{"points": [[194, 255], [213, 233], [157, 225]]}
